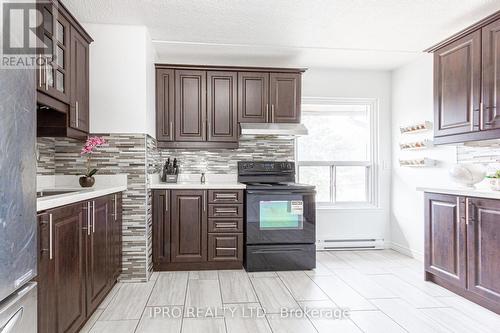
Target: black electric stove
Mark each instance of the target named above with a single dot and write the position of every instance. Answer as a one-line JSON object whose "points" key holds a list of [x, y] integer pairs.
{"points": [[280, 218]]}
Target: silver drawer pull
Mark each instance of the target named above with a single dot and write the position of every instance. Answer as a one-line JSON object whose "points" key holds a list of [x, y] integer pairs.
{"points": [[226, 210], [226, 195], [226, 226], [225, 248]]}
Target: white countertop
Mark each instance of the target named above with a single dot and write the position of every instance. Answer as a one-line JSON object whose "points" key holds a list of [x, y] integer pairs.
{"points": [[193, 181], [104, 185], [480, 191]]}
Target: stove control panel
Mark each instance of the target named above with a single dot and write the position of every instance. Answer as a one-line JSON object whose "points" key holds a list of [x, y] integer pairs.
{"points": [[263, 167]]}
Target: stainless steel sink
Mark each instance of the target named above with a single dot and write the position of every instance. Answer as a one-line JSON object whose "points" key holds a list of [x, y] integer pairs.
{"points": [[47, 193]]}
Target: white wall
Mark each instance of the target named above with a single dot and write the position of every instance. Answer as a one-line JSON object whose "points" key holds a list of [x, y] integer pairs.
{"points": [[121, 79], [412, 101], [354, 224]]}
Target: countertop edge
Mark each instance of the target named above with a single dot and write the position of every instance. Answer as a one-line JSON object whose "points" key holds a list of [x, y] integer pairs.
{"points": [[68, 199], [469, 192], [196, 186]]}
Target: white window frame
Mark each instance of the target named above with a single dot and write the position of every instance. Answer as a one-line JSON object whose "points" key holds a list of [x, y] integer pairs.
{"points": [[372, 176]]}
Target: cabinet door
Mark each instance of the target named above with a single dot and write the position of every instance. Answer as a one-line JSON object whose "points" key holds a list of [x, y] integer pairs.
{"points": [[189, 226], [56, 37], [483, 248], [491, 75], [222, 107], [161, 227], [253, 97], [285, 97], [445, 242], [165, 104], [79, 106], [457, 84], [190, 105], [97, 253], [62, 270]]}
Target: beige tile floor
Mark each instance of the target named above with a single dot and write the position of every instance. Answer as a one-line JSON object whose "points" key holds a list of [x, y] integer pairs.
{"points": [[382, 291]]}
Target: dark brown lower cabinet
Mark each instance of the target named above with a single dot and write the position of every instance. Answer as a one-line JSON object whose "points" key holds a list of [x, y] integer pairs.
{"points": [[76, 267], [61, 270], [462, 246], [190, 231], [483, 245]]}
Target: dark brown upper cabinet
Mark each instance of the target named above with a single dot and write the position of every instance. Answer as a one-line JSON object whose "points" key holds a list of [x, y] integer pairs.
{"points": [[457, 86], [491, 76], [165, 104], [63, 80], [285, 92], [201, 106], [222, 123], [190, 105], [466, 84], [253, 97], [189, 226], [79, 106], [445, 246], [483, 248]]}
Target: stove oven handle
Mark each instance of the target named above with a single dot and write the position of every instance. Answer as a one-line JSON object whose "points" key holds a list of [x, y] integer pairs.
{"points": [[273, 192]]}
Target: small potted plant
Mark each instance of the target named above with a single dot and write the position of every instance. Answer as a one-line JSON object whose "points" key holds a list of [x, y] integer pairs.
{"points": [[87, 179], [495, 181]]}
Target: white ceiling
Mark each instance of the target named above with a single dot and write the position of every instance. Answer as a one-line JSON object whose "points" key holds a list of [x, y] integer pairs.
{"points": [[368, 34]]}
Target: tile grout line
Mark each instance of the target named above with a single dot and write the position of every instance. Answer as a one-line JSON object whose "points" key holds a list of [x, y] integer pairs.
{"points": [[146, 305], [260, 302], [221, 300]]}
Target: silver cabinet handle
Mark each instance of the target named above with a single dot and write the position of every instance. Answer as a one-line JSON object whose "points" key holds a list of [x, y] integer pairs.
{"points": [[204, 202], [116, 202], [171, 134], [267, 112], [93, 217], [77, 114], [40, 73], [51, 246], [272, 113], [88, 218], [46, 76]]}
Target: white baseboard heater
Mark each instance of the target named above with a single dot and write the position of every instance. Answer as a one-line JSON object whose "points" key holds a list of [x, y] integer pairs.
{"points": [[349, 244]]}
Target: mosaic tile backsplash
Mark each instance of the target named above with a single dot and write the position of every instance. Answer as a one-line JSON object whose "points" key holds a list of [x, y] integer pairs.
{"points": [[223, 161], [485, 152]]}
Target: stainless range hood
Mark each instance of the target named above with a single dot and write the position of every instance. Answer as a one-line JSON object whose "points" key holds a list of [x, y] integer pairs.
{"points": [[265, 130]]}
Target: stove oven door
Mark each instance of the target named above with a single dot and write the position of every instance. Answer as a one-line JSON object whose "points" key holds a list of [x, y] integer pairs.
{"points": [[280, 217]]}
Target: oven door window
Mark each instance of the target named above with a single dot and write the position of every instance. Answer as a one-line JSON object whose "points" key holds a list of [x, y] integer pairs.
{"points": [[275, 215]]}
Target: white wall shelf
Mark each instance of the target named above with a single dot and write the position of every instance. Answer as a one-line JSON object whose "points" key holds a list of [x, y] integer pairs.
{"points": [[418, 162], [416, 145], [416, 128]]}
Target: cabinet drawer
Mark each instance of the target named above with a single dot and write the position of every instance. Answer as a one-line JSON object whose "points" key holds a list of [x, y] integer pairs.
{"points": [[225, 196], [225, 225], [225, 247], [225, 210]]}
